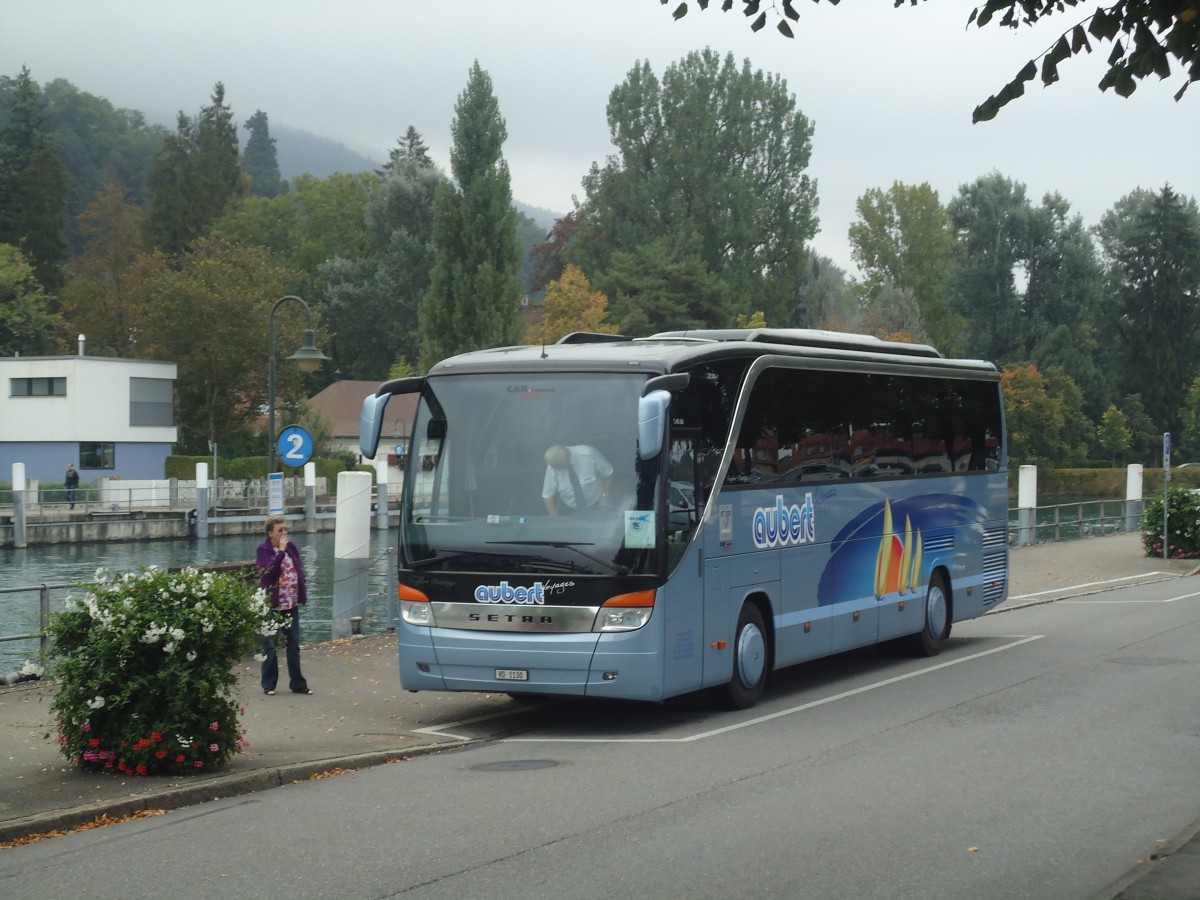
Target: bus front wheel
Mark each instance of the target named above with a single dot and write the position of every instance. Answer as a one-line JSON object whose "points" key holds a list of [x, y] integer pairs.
{"points": [[750, 659], [936, 628]]}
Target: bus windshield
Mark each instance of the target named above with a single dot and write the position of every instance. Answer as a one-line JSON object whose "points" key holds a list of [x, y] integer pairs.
{"points": [[530, 473]]}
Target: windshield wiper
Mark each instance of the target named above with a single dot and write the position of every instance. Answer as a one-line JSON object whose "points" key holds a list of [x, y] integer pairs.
{"points": [[616, 568], [415, 564]]}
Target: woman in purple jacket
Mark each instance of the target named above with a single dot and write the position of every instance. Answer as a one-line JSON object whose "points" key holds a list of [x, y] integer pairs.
{"points": [[283, 580]]}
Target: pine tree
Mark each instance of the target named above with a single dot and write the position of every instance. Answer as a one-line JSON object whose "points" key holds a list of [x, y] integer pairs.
{"points": [[475, 292], [260, 161], [410, 147], [33, 185], [195, 176]]}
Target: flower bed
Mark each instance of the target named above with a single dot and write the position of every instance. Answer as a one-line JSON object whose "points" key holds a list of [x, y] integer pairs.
{"points": [[145, 660]]}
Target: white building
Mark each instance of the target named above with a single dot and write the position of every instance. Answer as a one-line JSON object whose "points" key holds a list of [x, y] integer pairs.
{"points": [[111, 417]]}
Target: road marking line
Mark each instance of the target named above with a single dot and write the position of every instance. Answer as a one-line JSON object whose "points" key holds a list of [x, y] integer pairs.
{"points": [[440, 730], [1076, 587], [1167, 600], [1021, 639]]}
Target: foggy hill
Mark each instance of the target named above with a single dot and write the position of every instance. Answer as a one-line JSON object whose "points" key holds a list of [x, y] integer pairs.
{"points": [[302, 152]]}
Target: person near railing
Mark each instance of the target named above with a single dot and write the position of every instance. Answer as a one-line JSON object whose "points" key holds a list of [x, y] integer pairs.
{"points": [[71, 480]]}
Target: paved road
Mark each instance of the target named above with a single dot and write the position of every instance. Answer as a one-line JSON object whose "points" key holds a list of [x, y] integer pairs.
{"points": [[360, 717]]}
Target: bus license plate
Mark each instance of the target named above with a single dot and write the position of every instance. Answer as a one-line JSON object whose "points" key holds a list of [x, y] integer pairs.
{"points": [[512, 674]]}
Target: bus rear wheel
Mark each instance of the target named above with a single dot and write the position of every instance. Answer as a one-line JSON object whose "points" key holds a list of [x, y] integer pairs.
{"points": [[750, 658], [936, 628]]}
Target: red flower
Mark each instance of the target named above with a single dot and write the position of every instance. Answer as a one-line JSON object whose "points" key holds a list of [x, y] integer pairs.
{"points": [[156, 736], [180, 758], [161, 754], [94, 742], [141, 770]]}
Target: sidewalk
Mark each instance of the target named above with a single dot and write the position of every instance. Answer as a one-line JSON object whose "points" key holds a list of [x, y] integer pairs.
{"points": [[359, 716]]}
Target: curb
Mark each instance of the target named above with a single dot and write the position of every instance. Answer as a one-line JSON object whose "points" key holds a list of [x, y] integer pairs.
{"points": [[219, 788]]}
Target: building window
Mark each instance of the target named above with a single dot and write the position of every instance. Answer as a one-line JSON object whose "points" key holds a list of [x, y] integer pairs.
{"points": [[151, 402], [38, 387], [98, 455]]}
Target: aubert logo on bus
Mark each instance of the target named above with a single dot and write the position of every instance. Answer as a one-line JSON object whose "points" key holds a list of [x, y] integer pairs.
{"points": [[504, 593], [781, 525]]}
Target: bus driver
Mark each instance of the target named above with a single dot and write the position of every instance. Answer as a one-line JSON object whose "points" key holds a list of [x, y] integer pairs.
{"points": [[577, 477]]}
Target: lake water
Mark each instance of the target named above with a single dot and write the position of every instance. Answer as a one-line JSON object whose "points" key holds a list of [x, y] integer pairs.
{"points": [[64, 564]]}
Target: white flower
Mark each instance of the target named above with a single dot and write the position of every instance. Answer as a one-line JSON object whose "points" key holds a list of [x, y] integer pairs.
{"points": [[191, 657], [96, 703], [169, 647], [31, 668], [177, 634]]}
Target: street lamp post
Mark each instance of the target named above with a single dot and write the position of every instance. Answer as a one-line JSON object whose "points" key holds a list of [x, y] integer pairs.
{"points": [[308, 358]]}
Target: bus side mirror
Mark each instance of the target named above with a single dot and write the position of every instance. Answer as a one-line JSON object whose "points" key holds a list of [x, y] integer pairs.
{"points": [[370, 423], [652, 413]]}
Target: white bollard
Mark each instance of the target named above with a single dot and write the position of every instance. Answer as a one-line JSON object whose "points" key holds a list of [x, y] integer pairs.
{"points": [[202, 500], [18, 499], [1134, 506], [351, 550], [310, 497], [1026, 505]]}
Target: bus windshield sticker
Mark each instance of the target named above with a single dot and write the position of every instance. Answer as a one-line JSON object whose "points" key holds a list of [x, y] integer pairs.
{"points": [[639, 529], [725, 517]]}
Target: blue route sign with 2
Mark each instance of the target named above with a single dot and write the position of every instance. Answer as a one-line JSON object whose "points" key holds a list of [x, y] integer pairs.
{"points": [[295, 446]]}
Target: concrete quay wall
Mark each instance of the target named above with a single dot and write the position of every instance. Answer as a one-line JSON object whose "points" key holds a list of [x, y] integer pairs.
{"points": [[140, 525]]}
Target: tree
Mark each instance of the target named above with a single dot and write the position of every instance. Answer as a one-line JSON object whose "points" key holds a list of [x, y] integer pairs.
{"points": [[1189, 416], [711, 158], [990, 218], [1034, 416], [824, 300], [903, 238], [97, 145], [1151, 244], [410, 148], [1147, 439], [1114, 435], [892, 312], [209, 314], [371, 300], [102, 298], [195, 176], [28, 327], [547, 260], [317, 220], [33, 184], [571, 305], [1145, 37], [260, 162], [474, 290], [663, 287]]}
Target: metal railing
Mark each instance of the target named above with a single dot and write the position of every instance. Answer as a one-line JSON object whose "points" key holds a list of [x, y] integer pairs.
{"points": [[1075, 520]]}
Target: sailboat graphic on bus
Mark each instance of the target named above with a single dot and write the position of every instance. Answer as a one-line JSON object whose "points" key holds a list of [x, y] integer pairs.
{"points": [[898, 563]]}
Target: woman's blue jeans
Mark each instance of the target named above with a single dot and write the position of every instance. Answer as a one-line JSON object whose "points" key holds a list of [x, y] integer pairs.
{"points": [[270, 666]]}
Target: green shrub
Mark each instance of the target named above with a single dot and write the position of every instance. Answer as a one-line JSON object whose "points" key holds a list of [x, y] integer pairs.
{"points": [[1183, 524], [145, 662]]}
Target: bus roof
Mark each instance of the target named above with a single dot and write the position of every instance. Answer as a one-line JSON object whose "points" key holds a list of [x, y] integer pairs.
{"points": [[672, 350]]}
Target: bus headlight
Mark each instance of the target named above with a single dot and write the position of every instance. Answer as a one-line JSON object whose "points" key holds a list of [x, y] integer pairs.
{"points": [[415, 608], [417, 613], [626, 612]]}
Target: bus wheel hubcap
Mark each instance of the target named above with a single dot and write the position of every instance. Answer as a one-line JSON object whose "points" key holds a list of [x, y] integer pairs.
{"points": [[751, 655], [935, 612]]}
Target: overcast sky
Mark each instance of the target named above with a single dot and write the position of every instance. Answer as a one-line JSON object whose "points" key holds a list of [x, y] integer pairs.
{"points": [[889, 91]]}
